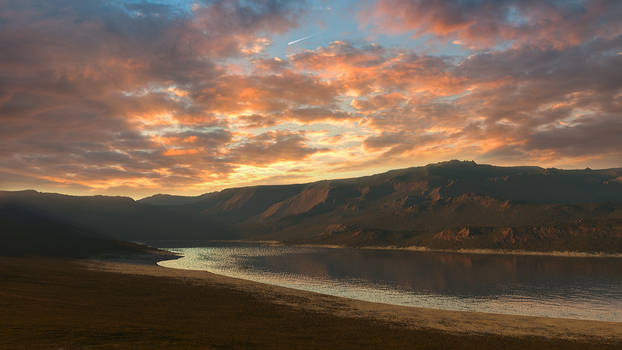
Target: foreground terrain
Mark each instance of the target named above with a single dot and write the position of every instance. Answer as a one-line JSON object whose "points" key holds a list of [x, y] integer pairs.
{"points": [[74, 304]]}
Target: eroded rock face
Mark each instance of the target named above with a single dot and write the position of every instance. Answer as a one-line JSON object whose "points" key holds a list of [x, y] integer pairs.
{"points": [[453, 235], [301, 203], [508, 236], [335, 228], [587, 236]]}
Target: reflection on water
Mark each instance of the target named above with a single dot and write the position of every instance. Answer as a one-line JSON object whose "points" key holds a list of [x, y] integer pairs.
{"points": [[585, 288]]}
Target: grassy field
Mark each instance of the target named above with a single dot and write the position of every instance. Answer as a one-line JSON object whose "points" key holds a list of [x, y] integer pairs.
{"points": [[57, 304]]}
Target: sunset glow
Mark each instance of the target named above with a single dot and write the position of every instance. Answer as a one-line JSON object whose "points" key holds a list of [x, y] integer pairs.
{"points": [[186, 97]]}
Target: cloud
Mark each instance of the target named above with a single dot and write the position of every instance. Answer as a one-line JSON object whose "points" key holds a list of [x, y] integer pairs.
{"points": [[103, 96], [487, 23], [594, 135], [514, 98], [89, 89], [370, 68], [272, 146], [266, 93]]}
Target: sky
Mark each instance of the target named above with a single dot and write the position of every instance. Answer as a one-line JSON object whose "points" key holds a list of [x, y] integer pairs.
{"points": [[185, 97]]}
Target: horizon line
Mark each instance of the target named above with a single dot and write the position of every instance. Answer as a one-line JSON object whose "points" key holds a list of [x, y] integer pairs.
{"points": [[136, 199]]}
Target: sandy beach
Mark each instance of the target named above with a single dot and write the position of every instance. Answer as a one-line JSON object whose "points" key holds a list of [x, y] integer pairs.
{"points": [[458, 322]]}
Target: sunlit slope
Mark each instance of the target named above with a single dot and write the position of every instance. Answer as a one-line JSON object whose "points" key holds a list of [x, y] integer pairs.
{"points": [[451, 204]]}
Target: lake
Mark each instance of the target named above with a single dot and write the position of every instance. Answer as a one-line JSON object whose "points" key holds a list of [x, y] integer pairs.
{"points": [[566, 287]]}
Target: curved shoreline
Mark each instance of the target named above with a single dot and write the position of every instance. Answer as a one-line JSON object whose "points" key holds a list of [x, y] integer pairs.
{"points": [[482, 251], [566, 254], [460, 322]]}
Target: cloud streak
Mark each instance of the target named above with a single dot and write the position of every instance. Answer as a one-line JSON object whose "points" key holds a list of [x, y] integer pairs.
{"points": [[299, 40]]}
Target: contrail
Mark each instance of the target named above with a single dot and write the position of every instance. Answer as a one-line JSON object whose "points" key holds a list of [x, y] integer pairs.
{"points": [[298, 40]]}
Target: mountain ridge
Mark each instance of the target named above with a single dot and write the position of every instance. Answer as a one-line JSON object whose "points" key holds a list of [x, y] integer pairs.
{"points": [[454, 204], [534, 169]]}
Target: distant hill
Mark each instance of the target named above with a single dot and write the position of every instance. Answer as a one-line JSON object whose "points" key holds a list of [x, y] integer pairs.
{"points": [[452, 204], [117, 217], [169, 200], [24, 233]]}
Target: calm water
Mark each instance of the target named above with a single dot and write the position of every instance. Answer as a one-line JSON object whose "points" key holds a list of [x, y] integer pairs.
{"points": [[583, 288]]}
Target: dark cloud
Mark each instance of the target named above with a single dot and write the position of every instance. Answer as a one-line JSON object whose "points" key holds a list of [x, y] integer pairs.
{"points": [[258, 121], [317, 113], [596, 135], [486, 23]]}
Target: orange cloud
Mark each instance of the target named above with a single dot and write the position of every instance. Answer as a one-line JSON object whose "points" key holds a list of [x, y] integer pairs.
{"points": [[180, 152]]}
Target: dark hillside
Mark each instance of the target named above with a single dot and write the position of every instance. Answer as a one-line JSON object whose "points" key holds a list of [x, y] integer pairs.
{"points": [[116, 217], [24, 233]]}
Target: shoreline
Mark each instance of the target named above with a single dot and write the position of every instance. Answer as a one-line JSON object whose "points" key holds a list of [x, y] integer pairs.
{"points": [[482, 251], [416, 318]]}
